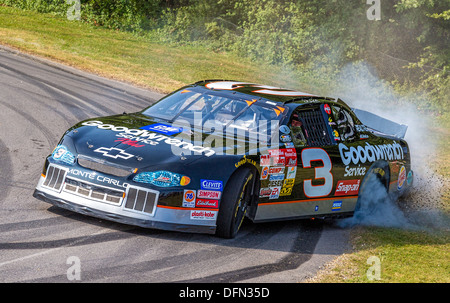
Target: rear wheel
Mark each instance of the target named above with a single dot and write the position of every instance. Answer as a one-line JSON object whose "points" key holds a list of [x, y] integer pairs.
{"points": [[235, 201], [374, 189]]}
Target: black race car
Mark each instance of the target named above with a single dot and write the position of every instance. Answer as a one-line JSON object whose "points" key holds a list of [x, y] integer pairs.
{"points": [[212, 153]]}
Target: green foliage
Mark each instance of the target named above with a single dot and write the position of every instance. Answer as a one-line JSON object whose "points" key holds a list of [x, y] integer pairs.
{"points": [[128, 15], [58, 7]]}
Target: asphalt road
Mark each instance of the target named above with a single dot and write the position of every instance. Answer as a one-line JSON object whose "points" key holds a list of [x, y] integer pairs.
{"points": [[39, 100]]}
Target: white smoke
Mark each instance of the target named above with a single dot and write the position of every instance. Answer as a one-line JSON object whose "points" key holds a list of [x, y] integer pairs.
{"points": [[360, 88]]}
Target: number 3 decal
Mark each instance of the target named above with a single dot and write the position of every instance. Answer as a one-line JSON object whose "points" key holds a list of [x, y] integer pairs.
{"points": [[321, 172]]}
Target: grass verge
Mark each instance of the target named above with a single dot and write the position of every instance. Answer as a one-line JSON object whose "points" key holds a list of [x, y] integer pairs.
{"points": [[405, 255], [123, 56]]}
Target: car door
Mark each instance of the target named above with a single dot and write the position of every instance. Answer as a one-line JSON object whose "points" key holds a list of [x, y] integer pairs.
{"points": [[316, 146], [319, 132], [313, 166]]}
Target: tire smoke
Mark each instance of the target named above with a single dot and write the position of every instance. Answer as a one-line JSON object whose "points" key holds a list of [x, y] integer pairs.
{"points": [[376, 208], [422, 207]]}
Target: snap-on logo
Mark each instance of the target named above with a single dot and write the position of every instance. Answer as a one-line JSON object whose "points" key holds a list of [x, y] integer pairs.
{"points": [[347, 188]]}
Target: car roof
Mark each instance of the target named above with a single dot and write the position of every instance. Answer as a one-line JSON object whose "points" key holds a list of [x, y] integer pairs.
{"points": [[271, 93]]}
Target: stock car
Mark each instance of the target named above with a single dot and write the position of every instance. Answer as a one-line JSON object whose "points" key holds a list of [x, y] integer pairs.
{"points": [[212, 153]]}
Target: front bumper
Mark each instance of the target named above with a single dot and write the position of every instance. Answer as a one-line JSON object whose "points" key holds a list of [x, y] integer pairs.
{"points": [[135, 206]]}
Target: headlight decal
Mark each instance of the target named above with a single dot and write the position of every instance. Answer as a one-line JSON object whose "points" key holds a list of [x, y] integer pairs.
{"points": [[162, 178], [61, 153]]}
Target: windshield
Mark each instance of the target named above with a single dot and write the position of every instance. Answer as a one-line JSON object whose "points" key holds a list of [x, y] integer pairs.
{"points": [[210, 108]]}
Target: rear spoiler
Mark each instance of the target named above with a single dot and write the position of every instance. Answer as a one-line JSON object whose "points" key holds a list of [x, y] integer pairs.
{"points": [[380, 124]]}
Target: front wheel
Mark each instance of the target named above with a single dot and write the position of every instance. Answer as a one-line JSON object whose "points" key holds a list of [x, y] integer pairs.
{"points": [[235, 201]]}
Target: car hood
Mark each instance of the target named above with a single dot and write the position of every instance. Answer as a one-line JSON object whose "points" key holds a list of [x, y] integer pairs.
{"points": [[134, 140]]}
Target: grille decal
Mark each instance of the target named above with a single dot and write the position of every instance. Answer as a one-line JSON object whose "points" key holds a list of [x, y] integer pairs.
{"points": [[54, 178], [141, 199]]}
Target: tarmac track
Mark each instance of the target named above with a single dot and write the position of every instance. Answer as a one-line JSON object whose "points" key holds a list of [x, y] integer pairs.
{"points": [[39, 100]]}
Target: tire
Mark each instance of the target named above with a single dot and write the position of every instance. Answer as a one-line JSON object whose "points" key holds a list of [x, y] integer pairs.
{"points": [[376, 179], [234, 204]]}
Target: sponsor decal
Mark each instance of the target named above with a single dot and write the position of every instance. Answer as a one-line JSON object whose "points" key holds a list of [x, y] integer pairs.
{"points": [[291, 162], [291, 172], [291, 157], [208, 194], [337, 205], [275, 183], [148, 137], [283, 157], [264, 173], [276, 153], [208, 203], [275, 192], [355, 171], [363, 136], [401, 178], [347, 188], [276, 170], [136, 140], [203, 215], [279, 161], [360, 128], [264, 160], [336, 135], [276, 177], [189, 198], [163, 129], [289, 145], [114, 153], [288, 183], [286, 191], [277, 157], [284, 129], [265, 192], [285, 138], [370, 153], [327, 109], [126, 141], [211, 184]]}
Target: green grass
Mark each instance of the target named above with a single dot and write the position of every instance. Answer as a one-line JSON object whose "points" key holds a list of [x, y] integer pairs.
{"points": [[405, 256], [124, 56]]}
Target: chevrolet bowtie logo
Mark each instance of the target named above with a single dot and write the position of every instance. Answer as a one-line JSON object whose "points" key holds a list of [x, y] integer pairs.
{"points": [[113, 152]]}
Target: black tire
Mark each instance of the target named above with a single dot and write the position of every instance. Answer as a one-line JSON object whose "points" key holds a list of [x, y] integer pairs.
{"points": [[234, 204]]}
